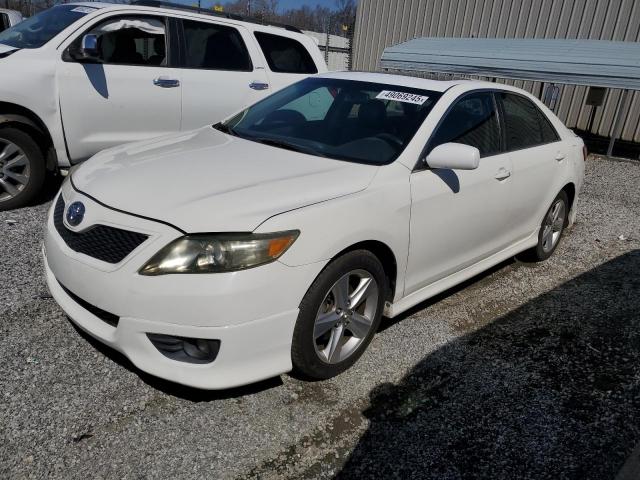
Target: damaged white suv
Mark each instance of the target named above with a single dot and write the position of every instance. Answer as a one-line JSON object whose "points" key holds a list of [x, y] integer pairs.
{"points": [[82, 77]]}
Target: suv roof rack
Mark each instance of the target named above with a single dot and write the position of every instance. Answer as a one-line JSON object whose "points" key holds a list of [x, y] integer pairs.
{"points": [[231, 16]]}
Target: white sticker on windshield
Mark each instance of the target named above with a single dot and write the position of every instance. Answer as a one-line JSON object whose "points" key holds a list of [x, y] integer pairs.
{"points": [[84, 9], [402, 97]]}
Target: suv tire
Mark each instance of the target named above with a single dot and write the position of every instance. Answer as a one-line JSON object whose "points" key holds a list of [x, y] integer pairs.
{"points": [[22, 168]]}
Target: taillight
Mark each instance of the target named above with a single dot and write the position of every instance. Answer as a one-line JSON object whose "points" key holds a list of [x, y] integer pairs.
{"points": [[585, 153]]}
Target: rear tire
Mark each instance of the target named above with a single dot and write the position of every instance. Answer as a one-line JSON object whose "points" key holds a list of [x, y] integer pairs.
{"points": [[22, 168], [551, 229], [339, 315]]}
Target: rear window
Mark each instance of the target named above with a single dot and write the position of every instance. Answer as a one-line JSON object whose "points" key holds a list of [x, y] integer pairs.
{"points": [[285, 55]]}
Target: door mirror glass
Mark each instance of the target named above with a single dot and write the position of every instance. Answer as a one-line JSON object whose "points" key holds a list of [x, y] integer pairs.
{"points": [[454, 156]]}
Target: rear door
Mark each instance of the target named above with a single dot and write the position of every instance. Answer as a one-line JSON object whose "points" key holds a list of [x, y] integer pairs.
{"points": [[538, 157], [221, 72], [288, 60], [132, 94]]}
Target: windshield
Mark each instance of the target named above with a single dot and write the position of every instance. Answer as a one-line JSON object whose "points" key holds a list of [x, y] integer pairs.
{"points": [[342, 119], [35, 31]]}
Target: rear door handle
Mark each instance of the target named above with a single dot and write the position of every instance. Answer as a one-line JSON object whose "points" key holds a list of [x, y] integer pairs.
{"points": [[165, 82], [503, 174], [560, 156], [259, 85]]}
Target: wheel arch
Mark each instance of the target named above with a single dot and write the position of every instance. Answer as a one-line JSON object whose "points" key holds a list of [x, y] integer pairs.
{"points": [[386, 256], [570, 190], [20, 117]]}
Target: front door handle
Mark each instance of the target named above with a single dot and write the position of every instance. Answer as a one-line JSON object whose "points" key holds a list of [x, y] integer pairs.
{"points": [[259, 85], [503, 174], [165, 82]]}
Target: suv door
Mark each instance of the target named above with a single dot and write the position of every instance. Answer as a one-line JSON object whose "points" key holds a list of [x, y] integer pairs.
{"points": [[460, 217], [131, 92], [538, 157], [219, 75]]}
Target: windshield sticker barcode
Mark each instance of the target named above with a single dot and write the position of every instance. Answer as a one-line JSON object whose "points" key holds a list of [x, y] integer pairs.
{"points": [[402, 97]]}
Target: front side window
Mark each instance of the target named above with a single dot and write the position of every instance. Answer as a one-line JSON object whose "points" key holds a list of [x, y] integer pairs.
{"points": [[4, 21], [285, 55], [473, 121], [215, 47], [315, 116], [132, 41], [35, 31], [525, 125]]}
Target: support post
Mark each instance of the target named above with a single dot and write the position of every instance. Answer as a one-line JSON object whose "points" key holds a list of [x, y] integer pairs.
{"points": [[617, 125]]}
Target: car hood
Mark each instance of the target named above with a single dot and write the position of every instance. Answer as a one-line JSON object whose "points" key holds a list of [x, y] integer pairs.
{"points": [[207, 181]]}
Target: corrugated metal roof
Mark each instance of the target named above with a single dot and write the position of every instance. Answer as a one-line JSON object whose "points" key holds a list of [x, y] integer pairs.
{"points": [[580, 62]]}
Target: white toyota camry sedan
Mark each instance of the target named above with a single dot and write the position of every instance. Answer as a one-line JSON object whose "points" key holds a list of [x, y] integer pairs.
{"points": [[276, 240]]}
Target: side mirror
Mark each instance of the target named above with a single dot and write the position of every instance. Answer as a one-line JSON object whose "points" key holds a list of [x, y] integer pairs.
{"points": [[88, 50], [454, 156]]}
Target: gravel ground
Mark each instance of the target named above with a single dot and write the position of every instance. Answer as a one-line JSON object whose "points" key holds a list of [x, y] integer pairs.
{"points": [[530, 371]]}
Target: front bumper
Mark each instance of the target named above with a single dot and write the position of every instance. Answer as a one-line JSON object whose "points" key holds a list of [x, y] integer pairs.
{"points": [[252, 312]]}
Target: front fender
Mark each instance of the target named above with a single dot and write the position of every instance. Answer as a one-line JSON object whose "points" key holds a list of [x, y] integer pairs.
{"points": [[380, 213]]}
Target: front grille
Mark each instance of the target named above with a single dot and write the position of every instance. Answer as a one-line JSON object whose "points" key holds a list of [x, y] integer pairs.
{"points": [[105, 243], [107, 317]]}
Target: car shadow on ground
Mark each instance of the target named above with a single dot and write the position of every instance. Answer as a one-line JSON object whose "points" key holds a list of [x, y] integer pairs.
{"points": [[175, 389], [550, 390]]}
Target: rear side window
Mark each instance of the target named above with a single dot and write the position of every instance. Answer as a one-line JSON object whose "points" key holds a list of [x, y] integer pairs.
{"points": [[472, 121], [525, 125], [215, 47], [285, 55]]}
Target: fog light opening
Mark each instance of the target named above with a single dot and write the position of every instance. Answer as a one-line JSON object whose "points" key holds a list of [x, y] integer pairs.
{"points": [[183, 349]]}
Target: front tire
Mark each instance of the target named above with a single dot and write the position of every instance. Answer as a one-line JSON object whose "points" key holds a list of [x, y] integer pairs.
{"points": [[22, 168], [339, 315], [553, 224]]}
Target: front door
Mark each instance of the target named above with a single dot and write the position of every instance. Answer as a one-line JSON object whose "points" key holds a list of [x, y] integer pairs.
{"points": [[130, 94], [460, 217]]}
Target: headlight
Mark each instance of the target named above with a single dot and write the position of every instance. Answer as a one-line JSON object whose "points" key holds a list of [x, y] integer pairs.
{"points": [[210, 253]]}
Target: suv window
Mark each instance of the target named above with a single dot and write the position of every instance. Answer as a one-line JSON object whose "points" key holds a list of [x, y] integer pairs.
{"points": [[473, 121], [4, 21], [35, 31], [285, 55], [215, 47], [525, 125], [132, 41]]}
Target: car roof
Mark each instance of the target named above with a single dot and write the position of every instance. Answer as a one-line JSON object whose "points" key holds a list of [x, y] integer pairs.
{"points": [[417, 82]]}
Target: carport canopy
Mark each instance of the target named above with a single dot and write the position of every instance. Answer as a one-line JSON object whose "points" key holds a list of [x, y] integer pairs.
{"points": [[598, 63]]}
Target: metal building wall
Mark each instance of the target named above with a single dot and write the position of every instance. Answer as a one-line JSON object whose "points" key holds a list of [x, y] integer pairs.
{"points": [[382, 23]]}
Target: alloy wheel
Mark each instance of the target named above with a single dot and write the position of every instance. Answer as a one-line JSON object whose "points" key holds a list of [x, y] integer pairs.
{"points": [[14, 170], [345, 317], [553, 225]]}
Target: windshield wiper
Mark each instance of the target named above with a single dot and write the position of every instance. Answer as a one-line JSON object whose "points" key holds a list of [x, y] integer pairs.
{"points": [[224, 128], [288, 146]]}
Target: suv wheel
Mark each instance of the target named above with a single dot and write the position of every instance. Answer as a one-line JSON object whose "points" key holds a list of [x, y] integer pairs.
{"points": [[22, 168], [339, 315]]}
